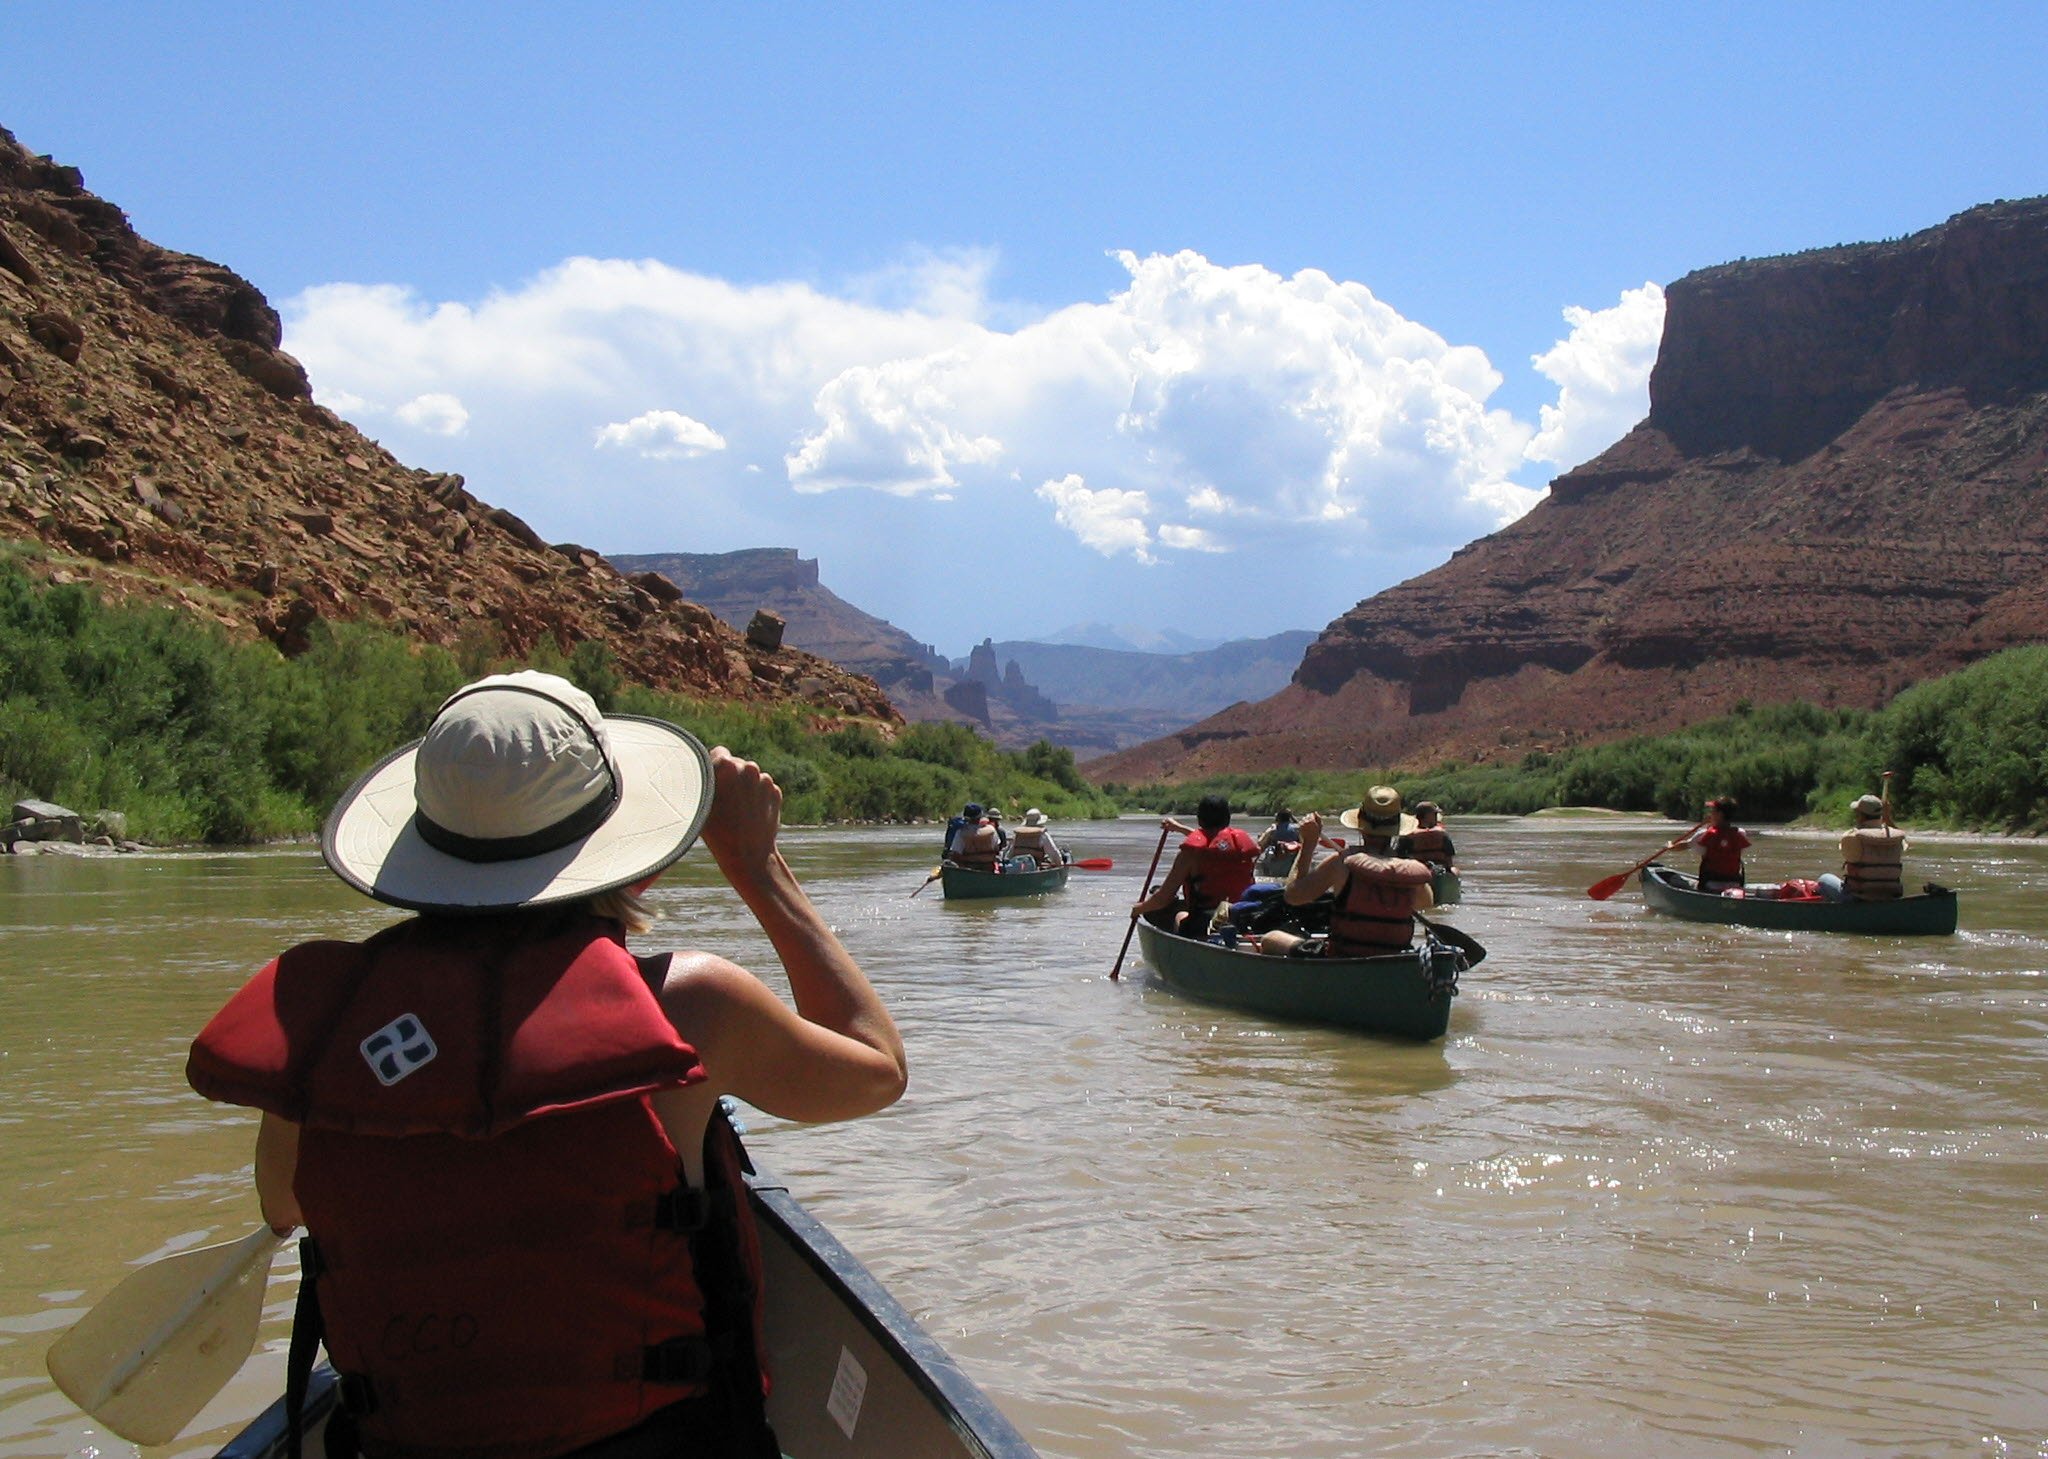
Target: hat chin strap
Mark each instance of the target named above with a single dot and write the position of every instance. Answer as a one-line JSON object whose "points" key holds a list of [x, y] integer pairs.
{"points": [[572, 827]]}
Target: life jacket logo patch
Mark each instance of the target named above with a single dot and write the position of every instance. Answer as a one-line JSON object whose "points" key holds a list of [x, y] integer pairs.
{"points": [[401, 1047]]}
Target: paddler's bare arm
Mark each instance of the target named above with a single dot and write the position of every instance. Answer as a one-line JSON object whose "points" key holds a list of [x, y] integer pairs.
{"points": [[837, 1054], [1311, 882]]}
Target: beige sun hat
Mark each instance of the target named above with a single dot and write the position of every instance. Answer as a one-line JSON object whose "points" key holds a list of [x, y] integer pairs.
{"points": [[1034, 817], [1379, 814], [521, 794]]}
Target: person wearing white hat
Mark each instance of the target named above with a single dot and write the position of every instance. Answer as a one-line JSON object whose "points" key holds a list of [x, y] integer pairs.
{"points": [[1034, 839], [1873, 856], [500, 1127], [1377, 892]]}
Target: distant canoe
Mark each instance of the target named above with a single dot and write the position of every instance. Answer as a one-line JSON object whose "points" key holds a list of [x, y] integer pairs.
{"points": [[1391, 995], [1445, 886], [854, 1373], [1273, 865], [958, 883], [1931, 915]]}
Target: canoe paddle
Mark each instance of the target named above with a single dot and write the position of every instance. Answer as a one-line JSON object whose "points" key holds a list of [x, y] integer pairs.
{"points": [[1094, 863], [160, 1345], [928, 881], [1116, 971], [1607, 886]]}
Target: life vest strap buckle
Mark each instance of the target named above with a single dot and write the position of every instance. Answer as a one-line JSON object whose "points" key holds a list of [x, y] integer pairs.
{"points": [[356, 1394]]}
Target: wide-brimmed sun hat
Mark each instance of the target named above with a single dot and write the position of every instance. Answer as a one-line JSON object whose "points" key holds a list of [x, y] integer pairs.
{"points": [[521, 794], [1034, 817], [1868, 806], [1379, 814]]}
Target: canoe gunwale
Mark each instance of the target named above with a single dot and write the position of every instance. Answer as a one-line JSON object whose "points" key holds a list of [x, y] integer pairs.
{"points": [[1929, 914]]}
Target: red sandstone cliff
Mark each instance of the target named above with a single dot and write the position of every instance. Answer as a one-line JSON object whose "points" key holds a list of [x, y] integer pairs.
{"points": [[159, 445], [1839, 490]]}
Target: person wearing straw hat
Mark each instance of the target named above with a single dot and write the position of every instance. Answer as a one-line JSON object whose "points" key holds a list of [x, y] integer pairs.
{"points": [[502, 1129], [1034, 839], [1377, 892]]}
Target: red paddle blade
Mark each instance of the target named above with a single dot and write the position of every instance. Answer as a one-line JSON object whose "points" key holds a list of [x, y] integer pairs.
{"points": [[1094, 863], [1607, 886]]}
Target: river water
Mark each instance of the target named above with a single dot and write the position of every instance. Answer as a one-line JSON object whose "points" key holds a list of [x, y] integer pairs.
{"points": [[1664, 1188]]}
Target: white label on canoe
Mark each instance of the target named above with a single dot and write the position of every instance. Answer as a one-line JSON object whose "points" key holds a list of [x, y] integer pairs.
{"points": [[849, 1387]]}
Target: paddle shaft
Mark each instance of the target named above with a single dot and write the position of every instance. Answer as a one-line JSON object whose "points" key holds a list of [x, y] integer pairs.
{"points": [[1886, 797], [927, 881], [1116, 971]]}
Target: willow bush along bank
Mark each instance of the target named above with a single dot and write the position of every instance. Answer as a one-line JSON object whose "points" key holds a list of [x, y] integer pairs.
{"points": [[1970, 751], [197, 737]]}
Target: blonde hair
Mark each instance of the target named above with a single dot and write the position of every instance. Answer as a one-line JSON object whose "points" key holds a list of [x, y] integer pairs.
{"points": [[622, 906]]}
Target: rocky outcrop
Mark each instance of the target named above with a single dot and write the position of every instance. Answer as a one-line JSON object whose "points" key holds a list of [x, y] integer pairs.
{"points": [[1841, 488], [158, 444]]}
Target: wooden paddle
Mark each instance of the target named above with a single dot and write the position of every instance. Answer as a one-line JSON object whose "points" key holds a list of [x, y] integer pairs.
{"points": [[1116, 971], [1886, 797], [1607, 886], [928, 880], [156, 1348]]}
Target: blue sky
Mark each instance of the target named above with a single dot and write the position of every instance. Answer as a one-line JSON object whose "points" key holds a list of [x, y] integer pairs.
{"points": [[1214, 317]]}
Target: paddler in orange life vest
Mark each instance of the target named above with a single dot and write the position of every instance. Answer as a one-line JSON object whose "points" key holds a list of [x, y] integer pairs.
{"points": [[501, 1128], [1377, 892], [1212, 869], [1429, 842]]}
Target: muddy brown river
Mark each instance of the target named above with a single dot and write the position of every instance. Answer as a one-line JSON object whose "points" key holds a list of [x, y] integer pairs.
{"points": [[1664, 1189]]}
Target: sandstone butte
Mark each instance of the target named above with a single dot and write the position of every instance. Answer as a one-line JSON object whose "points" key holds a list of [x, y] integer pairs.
{"points": [[1841, 488], [159, 444]]}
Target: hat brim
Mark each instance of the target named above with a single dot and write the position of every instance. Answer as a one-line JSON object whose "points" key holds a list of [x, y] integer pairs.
{"points": [[1407, 823], [371, 842]]}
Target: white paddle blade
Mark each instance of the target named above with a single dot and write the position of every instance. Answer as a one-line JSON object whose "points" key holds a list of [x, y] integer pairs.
{"points": [[157, 1347]]}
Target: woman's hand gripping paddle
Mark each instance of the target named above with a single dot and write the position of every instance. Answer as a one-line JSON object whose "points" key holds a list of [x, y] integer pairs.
{"points": [[1116, 971], [1607, 886], [147, 1358]]}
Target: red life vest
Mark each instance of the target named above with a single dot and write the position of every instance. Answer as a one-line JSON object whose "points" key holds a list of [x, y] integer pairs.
{"points": [[1430, 844], [510, 1260], [1375, 911], [1223, 867]]}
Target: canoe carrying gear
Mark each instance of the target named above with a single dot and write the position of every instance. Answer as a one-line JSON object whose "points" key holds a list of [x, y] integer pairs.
{"points": [[520, 794], [508, 1205]]}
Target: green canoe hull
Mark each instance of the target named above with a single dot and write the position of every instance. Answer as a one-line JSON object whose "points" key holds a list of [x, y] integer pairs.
{"points": [[1932, 915], [960, 884], [1386, 995]]}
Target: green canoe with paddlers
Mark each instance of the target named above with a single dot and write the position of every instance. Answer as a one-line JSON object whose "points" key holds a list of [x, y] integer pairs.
{"points": [[1931, 914], [1405, 994], [958, 883]]}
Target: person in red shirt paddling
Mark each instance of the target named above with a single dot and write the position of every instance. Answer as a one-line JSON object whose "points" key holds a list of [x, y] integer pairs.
{"points": [[1721, 844]]}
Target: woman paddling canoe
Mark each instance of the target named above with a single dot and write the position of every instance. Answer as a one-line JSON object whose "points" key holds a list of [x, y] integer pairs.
{"points": [[500, 1127]]}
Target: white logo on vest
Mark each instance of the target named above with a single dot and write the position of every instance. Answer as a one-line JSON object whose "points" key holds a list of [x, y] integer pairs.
{"points": [[400, 1047]]}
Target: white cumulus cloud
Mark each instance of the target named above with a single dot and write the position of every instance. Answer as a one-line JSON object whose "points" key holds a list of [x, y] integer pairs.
{"points": [[1602, 373], [661, 435], [1194, 408], [436, 413], [1110, 520]]}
